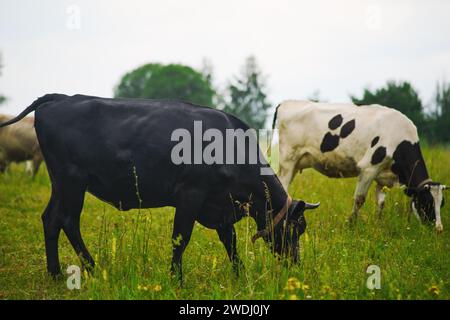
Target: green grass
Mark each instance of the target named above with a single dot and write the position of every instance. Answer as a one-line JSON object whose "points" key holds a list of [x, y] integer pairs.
{"points": [[132, 249]]}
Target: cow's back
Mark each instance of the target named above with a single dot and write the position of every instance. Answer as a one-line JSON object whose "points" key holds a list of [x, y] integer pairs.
{"points": [[119, 143], [124, 143]]}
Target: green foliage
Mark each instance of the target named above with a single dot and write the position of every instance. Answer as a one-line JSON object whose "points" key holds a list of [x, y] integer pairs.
{"points": [[248, 98], [173, 81], [133, 249], [439, 120], [401, 96], [434, 126], [2, 97]]}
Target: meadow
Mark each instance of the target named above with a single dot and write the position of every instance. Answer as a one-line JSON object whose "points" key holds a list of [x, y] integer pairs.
{"points": [[133, 249]]}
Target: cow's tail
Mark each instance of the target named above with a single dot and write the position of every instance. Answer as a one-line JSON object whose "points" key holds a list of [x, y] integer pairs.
{"points": [[32, 107], [274, 122]]}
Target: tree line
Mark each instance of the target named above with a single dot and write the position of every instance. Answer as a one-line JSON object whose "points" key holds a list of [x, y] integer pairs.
{"points": [[245, 95], [2, 97]]}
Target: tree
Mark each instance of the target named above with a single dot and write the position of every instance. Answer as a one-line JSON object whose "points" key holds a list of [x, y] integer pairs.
{"points": [[401, 96], [207, 71], [173, 81], [441, 116], [316, 96], [247, 98]]}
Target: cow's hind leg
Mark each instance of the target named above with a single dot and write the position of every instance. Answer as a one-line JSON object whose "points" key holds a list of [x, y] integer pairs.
{"points": [[71, 207], [63, 212], [227, 234], [52, 229]]}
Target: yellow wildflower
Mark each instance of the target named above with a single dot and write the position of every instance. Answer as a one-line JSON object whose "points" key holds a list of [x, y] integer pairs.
{"points": [[434, 290], [157, 288], [113, 248], [326, 288], [292, 284], [306, 237], [214, 263]]}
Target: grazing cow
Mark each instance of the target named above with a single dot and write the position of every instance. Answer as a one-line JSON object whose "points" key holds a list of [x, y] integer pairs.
{"points": [[19, 143], [120, 150], [370, 142]]}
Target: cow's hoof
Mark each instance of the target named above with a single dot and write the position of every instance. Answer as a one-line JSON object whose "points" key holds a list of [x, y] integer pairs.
{"points": [[89, 267], [351, 220], [176, 277], [238, 268], [56, 276], [177, 282]]}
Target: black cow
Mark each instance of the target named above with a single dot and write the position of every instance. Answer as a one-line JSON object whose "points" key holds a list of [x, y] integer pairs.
{"points": [[119, 150]]}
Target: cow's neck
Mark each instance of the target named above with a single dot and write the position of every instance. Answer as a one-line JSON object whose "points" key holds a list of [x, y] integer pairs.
{"points": [[262, 205], [409, 165]]}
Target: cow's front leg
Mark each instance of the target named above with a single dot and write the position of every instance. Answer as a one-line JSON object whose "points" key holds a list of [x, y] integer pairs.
{"points": [[379, 199], [362, 187], [227, 234], [182, 230], [286, 171]]}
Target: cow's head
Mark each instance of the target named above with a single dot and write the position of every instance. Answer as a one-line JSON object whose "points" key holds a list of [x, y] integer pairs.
{"points": [[287, 234], [427, 202], [284, 239]]}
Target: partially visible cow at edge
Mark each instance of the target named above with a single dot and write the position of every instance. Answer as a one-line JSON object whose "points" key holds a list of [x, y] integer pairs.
{"points": [[18, 143], [119, 150], [369, 142]]}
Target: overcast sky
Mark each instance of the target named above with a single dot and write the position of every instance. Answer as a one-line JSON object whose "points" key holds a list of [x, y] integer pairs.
{"points": [[337, 47]]}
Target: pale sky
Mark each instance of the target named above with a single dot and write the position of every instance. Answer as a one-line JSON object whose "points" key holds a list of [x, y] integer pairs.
{"points": [[337, 47]]}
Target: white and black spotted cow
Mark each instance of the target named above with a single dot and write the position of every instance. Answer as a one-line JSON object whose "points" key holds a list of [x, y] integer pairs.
{"points": [[371, 142]]}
